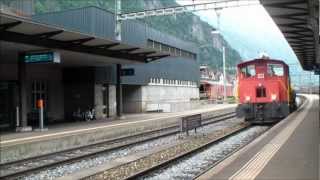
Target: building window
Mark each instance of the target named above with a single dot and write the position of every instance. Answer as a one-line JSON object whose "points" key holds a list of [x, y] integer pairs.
{"points": [[165, 48], [39, 90], [176, 51], [173, 50]]}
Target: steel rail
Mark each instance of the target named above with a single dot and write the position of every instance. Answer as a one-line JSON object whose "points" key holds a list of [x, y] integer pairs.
{"points": [[189, 153], [167, 131]]}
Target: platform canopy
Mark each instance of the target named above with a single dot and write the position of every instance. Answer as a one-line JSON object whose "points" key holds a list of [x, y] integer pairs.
{"points": [[26, 31], [299, 22]]}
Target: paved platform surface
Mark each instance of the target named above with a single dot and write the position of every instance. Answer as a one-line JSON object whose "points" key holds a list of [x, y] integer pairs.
{"points": [[16, 146], [91, 125], [290, 150]]}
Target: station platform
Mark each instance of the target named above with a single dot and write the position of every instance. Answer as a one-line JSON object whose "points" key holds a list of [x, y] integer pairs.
{"points": [[16, 146], [289, 150]]}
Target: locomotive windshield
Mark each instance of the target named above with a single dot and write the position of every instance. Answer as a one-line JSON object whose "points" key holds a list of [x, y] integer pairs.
{"points": [[248, 71], [275, 70]]}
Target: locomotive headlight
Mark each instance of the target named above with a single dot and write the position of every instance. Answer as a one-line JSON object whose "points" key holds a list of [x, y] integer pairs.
{"points": [[247, 98], [273, 97]]}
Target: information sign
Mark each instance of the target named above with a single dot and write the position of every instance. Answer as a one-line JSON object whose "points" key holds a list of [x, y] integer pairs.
{"points": [[42, 57]]}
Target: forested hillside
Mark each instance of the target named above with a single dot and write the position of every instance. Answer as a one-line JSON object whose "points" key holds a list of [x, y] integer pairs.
{"points": [[186, 26]]}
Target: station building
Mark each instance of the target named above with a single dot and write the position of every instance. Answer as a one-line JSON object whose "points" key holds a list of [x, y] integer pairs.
{"points": [[147, 71]]}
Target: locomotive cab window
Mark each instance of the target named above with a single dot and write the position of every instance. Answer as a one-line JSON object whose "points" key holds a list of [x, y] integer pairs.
{"points": [[248, 71], [275, 70]]}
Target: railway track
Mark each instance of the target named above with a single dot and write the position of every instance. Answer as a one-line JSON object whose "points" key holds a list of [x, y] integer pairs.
{"points": [[22, 168], [194, 163]]}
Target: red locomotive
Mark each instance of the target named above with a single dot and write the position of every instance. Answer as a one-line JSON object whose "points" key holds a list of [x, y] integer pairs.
{"points": [[264, 91]]}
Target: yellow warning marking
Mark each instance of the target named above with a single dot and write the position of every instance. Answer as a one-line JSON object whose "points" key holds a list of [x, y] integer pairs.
{"points": [[256, 164]]}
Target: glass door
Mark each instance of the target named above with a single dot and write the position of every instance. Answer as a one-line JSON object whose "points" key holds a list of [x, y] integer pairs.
{"points": [[39, 90]]}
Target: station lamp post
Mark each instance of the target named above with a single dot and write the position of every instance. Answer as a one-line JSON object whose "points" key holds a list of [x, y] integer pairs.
{"points": [[217, 42]]}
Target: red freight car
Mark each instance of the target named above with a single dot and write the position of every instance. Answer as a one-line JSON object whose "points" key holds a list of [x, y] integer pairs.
{"points": [[213, 90], [264, 91]]}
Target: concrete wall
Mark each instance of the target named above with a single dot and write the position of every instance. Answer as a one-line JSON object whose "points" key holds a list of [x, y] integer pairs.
{"points": [[168, 98], [132, 99], [164, 98]]}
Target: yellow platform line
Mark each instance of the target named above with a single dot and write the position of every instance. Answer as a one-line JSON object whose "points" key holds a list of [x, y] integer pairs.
{"points": [[256, 164]]}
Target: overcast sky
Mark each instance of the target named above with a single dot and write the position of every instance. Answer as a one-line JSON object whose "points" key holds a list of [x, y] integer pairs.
{"points": [[251, 30]]}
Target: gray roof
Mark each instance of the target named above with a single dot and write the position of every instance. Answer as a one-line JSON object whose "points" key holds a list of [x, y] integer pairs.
{"points": [[298, 20], [27, 31], [99, 22]]}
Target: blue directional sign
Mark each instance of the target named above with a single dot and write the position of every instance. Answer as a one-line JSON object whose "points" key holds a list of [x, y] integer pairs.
{"points": [[42, 57], [127, 72]]}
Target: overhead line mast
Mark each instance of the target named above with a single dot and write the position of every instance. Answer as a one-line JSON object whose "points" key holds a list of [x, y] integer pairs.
{"points": [[216, 4]]}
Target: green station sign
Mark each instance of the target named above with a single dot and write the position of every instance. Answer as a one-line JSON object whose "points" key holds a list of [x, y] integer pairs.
{"points": [[42, 57]]}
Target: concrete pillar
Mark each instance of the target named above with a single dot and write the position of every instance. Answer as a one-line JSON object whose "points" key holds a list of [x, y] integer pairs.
{"points": [[106, 100], [112, 101], [119, 92], [22, 80], [99, 101]]}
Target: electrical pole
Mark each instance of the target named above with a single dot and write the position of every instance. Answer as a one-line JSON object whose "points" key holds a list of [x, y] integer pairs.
{"points": [[223, 56], [310, 82], [224, 74]]}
